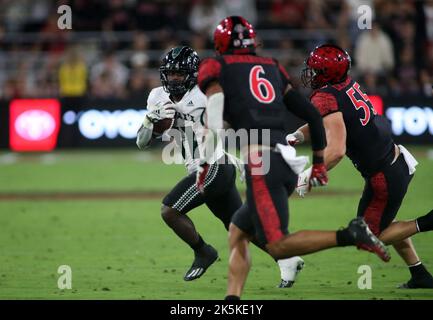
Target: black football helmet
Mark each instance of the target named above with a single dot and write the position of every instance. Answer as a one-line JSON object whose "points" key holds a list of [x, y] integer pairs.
{"points": [[184, 60]]}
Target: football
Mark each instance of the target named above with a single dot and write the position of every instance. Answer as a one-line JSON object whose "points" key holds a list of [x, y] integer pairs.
{"points": [[161, 126]]}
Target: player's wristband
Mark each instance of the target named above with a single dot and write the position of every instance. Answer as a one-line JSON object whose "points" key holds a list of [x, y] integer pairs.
{"points": [[147, 122], [317, 159]]}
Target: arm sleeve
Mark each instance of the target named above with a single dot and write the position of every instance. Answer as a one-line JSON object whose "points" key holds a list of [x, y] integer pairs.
{"points": [[214, 111], [302, 108], [209, 70], [151, 100], [325, 103], [144, 134]]}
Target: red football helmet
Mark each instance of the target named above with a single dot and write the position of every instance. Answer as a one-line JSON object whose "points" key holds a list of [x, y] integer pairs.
{"points": [[327, 64], [234, 35]]}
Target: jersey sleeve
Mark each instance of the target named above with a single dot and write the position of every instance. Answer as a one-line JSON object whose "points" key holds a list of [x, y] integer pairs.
{"points": [[325, 103], [152, 100], [210, 70]]}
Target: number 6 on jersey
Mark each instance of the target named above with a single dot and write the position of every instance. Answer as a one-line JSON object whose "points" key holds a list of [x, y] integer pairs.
{"points": [[261, 88]]}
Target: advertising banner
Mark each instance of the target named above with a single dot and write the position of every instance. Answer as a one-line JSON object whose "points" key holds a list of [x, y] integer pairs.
{"points": [[34, 124], [44, 124]]}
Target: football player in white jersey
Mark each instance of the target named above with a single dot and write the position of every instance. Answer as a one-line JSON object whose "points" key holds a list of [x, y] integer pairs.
{"points": [[180, 98]]}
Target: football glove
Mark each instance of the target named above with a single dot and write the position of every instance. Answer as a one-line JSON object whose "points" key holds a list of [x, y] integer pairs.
{"points": [[201, 174], [314, 176], [295, 138], [319, 175], [166, 111], [303, 185]]}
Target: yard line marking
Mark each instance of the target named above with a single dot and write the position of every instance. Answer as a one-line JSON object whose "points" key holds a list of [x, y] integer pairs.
{"points": [[144, 157]]}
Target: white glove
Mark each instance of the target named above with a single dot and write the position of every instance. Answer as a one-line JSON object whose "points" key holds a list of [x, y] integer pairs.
{"points": [[303, 185], [295, 138], [166, 111]]}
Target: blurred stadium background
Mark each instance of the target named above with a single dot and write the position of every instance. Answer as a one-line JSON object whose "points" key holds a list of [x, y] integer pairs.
{"points": [[86, 197]]}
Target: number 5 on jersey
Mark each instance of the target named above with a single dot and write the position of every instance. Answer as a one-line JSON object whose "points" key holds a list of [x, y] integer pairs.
{"points": [[361, 103], [261, 88]]}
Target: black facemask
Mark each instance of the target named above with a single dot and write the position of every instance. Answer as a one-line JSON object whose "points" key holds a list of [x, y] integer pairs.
{"points": [[176, 87]]}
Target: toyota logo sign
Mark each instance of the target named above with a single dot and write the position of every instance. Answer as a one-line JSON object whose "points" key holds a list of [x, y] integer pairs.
{"points": [[34, 124]]}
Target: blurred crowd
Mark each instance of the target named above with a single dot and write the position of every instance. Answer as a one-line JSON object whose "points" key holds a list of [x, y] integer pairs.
{"points": [[114, 47]]}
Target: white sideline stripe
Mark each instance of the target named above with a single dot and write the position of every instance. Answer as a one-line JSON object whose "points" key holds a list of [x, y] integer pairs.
{"points": [[144, 157], [48, 159], [8, 158], [12, 158]]}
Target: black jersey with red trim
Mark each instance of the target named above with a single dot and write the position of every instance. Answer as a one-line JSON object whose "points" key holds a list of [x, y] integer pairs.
{"points": [[253, 89], [369, 143]]}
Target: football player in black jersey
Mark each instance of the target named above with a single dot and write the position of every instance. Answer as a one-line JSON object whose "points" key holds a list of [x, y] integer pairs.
{"points": [[254, 93], [354, 128]]}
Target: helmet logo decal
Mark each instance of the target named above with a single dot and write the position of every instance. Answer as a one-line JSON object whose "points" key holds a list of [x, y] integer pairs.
{"points": [[176, 52]]}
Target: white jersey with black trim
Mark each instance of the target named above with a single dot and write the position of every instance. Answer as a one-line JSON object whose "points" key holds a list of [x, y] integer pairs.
{"points": [[189, 120]]}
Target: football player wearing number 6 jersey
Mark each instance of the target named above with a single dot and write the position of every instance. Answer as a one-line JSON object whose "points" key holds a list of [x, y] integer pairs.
{"points": [[254, 93], [353, 128]]}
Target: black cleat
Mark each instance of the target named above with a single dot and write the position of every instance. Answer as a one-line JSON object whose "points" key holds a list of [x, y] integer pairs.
{"points": [[424, 282], [286, 284], [425, 223], [366, 240], [202, 261]]}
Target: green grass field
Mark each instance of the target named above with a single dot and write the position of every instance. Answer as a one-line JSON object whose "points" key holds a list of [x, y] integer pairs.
{"points": [[119, 247]]}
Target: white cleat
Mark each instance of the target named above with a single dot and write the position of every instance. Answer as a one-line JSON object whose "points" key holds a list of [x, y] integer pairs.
{"points": [[289, 269]]}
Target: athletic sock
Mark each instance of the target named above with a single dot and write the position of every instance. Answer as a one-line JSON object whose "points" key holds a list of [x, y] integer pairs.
{"points": [[344, 238], [232, 297], [199, 245], [418, 270], [425, 223]]}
